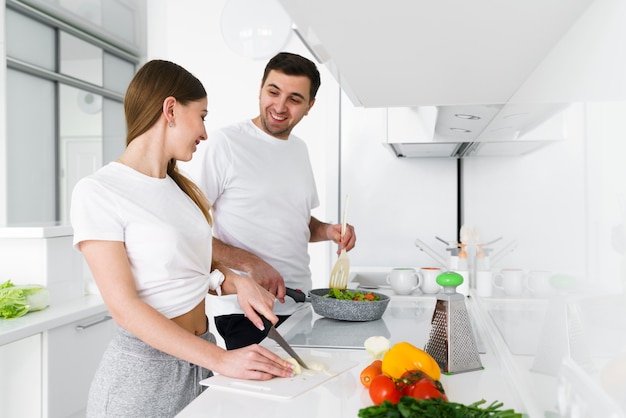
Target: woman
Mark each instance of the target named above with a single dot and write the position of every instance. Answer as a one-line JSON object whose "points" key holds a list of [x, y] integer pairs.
{"points": [[145, 232]]}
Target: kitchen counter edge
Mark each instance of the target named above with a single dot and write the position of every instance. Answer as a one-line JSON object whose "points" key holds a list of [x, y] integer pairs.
{"points": [[33, 323]]}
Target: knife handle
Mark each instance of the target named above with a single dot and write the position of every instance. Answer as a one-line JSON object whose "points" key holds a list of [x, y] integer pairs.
{"points": [[266, 324]]}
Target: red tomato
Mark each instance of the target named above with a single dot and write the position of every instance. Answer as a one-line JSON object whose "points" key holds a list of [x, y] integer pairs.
{"points": [[424, 389], [383, 388], [413, 376]]}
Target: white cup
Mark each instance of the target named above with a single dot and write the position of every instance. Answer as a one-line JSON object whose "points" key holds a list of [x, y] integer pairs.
{"points": [[539, 283], [428, 279], [511, 281], [403, 280], [484, 284]]}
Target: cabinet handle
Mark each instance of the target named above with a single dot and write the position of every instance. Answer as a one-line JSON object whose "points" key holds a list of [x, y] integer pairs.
{"points": [[91, 324]]}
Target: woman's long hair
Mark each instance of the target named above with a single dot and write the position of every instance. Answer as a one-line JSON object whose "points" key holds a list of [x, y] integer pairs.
{"points": [[143, 104]]}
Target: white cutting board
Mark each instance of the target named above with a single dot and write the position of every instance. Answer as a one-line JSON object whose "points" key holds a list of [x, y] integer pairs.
{"points": [[283, 388]]}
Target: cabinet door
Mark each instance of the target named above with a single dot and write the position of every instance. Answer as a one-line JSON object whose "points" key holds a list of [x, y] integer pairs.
{"points": [[71, 355], [20, 378]]}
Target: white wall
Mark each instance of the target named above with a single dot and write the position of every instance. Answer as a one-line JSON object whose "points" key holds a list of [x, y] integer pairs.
{"points": [[565, 204], [537, 200], [393, 200]]}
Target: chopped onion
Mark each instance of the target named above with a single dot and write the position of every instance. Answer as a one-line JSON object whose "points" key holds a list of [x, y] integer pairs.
{"points": [[314, 367], [297, 369]]}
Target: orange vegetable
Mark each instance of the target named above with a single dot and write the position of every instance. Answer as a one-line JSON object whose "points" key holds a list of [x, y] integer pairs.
{"points": [[370, 372]]}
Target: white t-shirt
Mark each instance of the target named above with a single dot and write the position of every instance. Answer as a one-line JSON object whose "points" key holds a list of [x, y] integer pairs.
{"points": [[167, 238], [262, 190]]}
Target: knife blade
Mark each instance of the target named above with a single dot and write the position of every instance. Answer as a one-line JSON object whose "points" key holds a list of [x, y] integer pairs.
{"points": [[275, 335]]}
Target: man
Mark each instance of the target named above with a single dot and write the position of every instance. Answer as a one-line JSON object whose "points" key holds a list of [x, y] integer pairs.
{"points": [[259, 179]]}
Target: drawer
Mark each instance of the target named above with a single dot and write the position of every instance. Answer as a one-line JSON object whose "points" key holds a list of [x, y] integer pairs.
{"points": [[71, 355]]}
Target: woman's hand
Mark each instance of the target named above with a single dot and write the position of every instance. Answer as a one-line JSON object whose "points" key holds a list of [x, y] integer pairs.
{"points": [[252, 297], [253, 362]]}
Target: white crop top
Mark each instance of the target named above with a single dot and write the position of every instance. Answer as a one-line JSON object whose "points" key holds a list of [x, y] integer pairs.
{"points": [[167, 238]]}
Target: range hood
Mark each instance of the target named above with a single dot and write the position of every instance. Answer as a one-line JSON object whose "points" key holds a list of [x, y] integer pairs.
{"points": [[473, 130], [515, 65]]}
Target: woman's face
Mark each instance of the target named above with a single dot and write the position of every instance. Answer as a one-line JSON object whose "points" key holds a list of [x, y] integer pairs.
{"points": [[189, 128]]}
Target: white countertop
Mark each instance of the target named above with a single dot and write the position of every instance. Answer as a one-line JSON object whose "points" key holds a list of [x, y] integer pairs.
{"points": [[50, 230], [53, 316], [343, 395], [511, 338]]}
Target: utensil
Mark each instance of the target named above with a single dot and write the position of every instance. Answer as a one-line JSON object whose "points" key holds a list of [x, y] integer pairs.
{"points": [[465, 234], [451, 341], [341, 269], [275, 335]]}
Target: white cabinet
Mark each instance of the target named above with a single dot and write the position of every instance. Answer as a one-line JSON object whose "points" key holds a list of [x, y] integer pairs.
{"points": [[71, 354], [43, 255], [20, 378]]}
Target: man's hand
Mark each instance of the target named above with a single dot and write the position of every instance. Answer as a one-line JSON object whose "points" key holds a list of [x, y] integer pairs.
{"points": [[257, 269], [349, 239], [270, 279], [321, 231]]}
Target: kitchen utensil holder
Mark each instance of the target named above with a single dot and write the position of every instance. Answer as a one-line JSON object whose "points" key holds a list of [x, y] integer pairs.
{"points": [[451, 342]]}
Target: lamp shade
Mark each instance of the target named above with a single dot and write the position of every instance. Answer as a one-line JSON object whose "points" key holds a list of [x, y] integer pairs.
{"points": [[256, 29]]}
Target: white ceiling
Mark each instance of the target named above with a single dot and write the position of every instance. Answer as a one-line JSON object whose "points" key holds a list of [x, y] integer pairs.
{"points": [[423, 52]]}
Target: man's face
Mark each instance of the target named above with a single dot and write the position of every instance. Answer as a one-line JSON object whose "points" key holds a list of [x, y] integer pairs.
{"points": [[283, 102]]}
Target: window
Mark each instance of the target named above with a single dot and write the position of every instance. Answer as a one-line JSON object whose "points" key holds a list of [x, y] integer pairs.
{"points": [[65, 119]]}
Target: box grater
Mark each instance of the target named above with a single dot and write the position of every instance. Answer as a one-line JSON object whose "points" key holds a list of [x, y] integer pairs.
{"points": [[451, 342]]}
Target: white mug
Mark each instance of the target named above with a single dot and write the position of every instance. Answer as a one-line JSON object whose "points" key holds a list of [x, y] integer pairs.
{"points": [[428, 279], [484, 284], [539, 283], [511, 281], [403, 280]]}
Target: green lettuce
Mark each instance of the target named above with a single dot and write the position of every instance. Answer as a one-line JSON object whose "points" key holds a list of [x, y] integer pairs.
{"points": [[18, 300]]}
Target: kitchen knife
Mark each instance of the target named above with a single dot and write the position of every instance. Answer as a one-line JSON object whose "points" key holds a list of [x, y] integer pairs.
{"points": [[275, 335]]}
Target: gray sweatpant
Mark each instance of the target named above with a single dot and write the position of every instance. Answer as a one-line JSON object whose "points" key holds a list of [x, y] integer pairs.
{"points": [[136, 380]]}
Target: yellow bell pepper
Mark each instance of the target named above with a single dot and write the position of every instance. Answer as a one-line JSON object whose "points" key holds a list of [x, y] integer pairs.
{"points": [[404, 357]]}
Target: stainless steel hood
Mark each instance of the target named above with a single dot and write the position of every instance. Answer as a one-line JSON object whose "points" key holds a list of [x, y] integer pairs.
{"points": [[473, 130], [514, 64]]}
